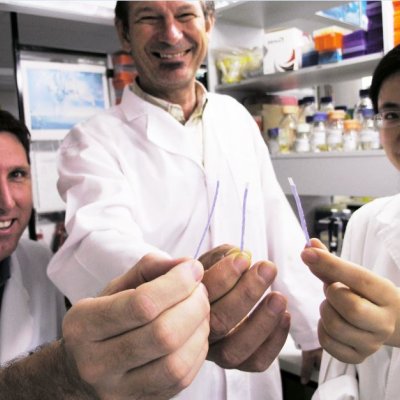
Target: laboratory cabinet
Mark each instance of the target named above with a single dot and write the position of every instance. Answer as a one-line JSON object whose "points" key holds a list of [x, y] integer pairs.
{"points": [[243, 24]]}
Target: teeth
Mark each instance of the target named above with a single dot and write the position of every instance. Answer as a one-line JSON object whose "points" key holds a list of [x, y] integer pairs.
{"points": [[169, 56], [5, 224]]}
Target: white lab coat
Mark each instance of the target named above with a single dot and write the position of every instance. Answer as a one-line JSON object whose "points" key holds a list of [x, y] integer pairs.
{"points": [[32, 307], [133, 185], [373, 240]]}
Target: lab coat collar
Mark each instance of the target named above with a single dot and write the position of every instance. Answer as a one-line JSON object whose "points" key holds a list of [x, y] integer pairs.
{"points": [[389, 230], [158, 125], [16, 319]]}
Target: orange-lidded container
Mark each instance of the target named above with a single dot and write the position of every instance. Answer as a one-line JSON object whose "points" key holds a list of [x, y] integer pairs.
{"points": [[351, 124], [397, 37], [396, 19], [328, 41]]}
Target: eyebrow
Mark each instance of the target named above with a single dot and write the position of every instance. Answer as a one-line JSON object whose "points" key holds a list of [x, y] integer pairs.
{"points": [[144, 9], [390, 105]]}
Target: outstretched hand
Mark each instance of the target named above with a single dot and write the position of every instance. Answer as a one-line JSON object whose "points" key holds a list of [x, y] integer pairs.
{"points": [[361, 311], [247, 327]]}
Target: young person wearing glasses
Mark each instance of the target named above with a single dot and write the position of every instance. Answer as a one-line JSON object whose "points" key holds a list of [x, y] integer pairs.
{"points": [[360, 316]]}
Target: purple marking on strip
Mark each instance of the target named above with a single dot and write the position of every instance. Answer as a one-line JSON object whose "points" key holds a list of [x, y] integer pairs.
{"points": [[243, 217], [208, 221], [300, 211]]}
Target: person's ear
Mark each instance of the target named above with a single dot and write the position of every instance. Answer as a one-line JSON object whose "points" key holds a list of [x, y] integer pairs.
{"points": [[210, 22], [123, 35]]}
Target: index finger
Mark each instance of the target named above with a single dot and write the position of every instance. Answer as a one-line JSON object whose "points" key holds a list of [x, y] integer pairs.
{"points": [[149, 267], [330, 268], [113, 315]]}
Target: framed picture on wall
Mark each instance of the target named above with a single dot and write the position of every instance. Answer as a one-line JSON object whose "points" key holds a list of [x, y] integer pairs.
{"points": [[59, 90]]}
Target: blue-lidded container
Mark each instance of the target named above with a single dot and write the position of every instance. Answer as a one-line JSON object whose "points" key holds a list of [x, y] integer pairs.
{"points": [[320, 117]]}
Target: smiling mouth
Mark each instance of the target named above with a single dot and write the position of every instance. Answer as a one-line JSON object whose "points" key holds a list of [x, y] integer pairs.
{"points": [[171, 56], [6, 224]]}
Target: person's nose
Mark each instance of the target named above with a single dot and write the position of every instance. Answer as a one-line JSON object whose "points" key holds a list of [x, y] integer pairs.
{"points": [[171, 32], [6, 198]]}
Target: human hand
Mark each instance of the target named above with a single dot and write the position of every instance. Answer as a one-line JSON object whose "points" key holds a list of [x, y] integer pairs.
{"points": [[146, 343], [361, 311], [237, 339], [310, 360]]}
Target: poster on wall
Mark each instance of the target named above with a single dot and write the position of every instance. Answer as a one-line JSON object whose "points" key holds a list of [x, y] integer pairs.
{"points": [[56, 95]]}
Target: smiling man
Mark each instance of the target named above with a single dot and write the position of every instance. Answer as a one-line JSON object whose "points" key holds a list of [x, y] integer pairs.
{"points": [[141, 178], [113, 346]]}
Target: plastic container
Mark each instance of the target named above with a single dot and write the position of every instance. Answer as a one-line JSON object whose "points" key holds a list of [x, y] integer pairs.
{"points": [[328, 41], [287, 128], [328, 57], [310, 58], [350, 134], [334, 136], [318, 132]]}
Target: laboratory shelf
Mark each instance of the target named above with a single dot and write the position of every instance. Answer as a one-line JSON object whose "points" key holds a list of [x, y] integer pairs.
{"points": [[356, 173], [306, 77], [268, 14]]}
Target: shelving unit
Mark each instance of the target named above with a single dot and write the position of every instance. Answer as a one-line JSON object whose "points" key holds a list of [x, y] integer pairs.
{"points": [[360, 173], [356, 173]]}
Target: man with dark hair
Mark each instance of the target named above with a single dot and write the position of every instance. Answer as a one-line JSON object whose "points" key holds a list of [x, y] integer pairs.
{"points": [[113, 346], [172, 164]]}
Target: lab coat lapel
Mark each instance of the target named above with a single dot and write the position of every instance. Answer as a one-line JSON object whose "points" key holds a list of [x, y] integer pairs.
{"points": [[158, 126], [16, 320], [218, 167]]}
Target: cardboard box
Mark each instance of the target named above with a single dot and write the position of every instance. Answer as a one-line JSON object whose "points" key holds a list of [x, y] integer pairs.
{"points": [[282, 50]]}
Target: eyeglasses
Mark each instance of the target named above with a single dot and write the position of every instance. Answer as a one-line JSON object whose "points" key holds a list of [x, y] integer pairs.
{"points": [[387, 119]]}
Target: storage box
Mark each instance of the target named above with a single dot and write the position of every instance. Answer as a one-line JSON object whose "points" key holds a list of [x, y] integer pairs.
{"points": [[328, 41], [309, 59], [355, 44], [327, 57], [282, 50]]}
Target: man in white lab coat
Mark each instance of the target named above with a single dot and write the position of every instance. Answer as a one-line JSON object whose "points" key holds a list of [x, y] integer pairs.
{"points": [[142, 178], [116, 342]]}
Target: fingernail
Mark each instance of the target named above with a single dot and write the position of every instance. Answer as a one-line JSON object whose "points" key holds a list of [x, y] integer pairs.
{"points": [[197, 269], [242, 260], [266, 273], [309, 256], [276, 305], [234, 250]]}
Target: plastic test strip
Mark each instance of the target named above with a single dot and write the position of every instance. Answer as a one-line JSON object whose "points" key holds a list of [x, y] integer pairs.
{"points": [[300, 211]]}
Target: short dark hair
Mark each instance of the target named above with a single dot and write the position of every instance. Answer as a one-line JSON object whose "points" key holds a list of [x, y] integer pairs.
{"points": [[122, 11], [8, 123], [388, 65]]}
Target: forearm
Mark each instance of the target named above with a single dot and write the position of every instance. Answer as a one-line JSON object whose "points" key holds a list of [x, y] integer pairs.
{"points": [[46, 374]]}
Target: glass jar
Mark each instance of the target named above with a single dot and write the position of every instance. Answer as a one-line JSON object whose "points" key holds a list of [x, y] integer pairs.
{"points": [[350, 134], [335, 130], [287, 128], [272, 141], [308, 108], [302, 142], [364, 101], [326, 104], [318, 132]]}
